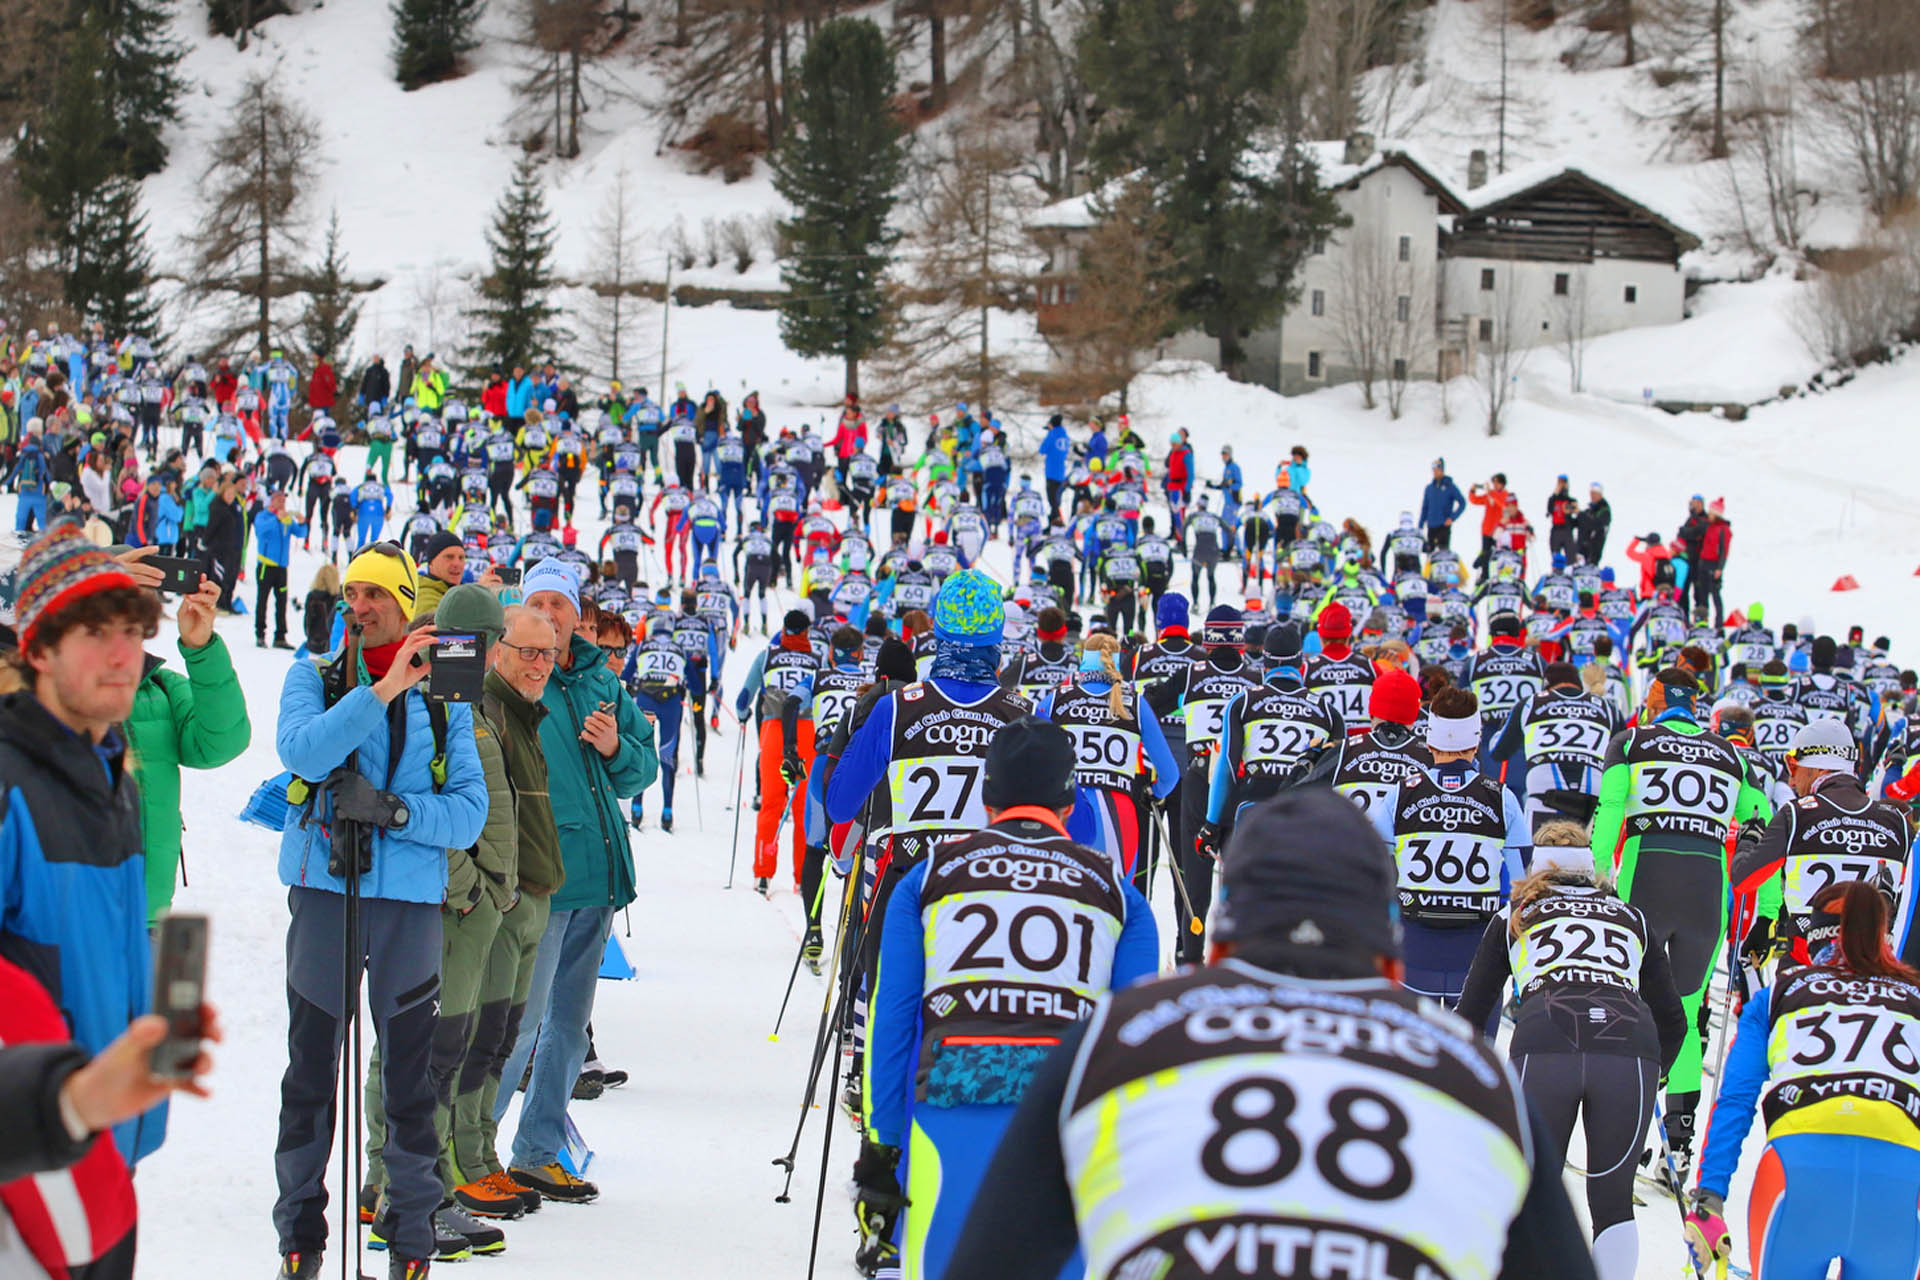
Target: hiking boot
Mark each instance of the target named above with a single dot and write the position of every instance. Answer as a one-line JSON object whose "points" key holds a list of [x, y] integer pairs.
{"points": [[448, 1245], [553, 1182], [484, 1200], [506, 1182], [480, 1237], [589, 1085]]}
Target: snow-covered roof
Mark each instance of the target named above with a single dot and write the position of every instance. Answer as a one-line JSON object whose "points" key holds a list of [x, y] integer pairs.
{"points": [[1078, 213], [1529, 178]]}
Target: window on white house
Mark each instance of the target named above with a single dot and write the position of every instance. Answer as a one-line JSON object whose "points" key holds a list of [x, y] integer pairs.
{"points": [[1486, 331], [1633, 293], [1313, 364], [1403, 309], [1406, 248], [1486, 277], [1319, 302], [1562, 282], [1399, 369]]}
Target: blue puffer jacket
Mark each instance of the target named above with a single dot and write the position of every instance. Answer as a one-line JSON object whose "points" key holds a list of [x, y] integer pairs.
{"points": [[409, 864]]}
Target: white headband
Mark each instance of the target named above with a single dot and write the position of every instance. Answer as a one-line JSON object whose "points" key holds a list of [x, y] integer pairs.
{"points": [[1453, 735]]}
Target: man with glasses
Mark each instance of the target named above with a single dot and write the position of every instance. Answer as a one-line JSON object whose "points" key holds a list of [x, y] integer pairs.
{"points": [[599, 750], [520, 667], [412, 778]]}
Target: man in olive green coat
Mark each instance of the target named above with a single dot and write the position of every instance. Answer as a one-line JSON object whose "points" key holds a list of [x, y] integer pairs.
{"points": [[194, 721], [521, 665]]}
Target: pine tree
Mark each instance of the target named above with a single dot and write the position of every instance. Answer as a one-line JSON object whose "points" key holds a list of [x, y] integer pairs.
{"points": [[141, 81], [839, 168], [64, 153], [1242, 203], [515, 321], [326, 328], [429, 36], [112, 273]]}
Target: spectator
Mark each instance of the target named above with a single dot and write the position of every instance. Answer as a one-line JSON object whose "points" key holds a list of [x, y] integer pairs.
{"points": [[376, 385], [96, 484], [1493, 498], [195, 721], [522, 665], [29, 479], [1096, 442], [1660, 564], [429, 386], [223, 386], [273, 532], [599, 751], [409, 366], [321, 612], [1594, 521], [1299, 473], [1563, 509], [226, 531], [493, 396], [64, 768], [1440, 505], [364, 745], [1693, 529], [323, 388], [1178, 481], [1711, 563], [752, 424], [1056, 455], [519, 395]]}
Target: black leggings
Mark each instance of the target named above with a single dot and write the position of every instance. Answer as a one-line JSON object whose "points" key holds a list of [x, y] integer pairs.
{"points": [[1612, 1095], [1121, 605]]}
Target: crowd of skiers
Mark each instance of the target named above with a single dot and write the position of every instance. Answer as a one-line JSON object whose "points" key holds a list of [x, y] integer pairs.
{"points": [[1383, 782]]}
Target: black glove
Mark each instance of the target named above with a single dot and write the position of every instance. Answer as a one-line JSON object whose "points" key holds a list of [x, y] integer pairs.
{"points": [[357, 800], [792, 768], [877, 1200], [1208, 842], [1758, 944]]}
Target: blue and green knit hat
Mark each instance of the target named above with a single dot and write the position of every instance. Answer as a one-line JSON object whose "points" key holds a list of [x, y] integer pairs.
{"points": [[968, 610]]}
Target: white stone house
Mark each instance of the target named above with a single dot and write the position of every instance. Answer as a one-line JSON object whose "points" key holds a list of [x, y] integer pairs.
{"points": [[1554, 247]]}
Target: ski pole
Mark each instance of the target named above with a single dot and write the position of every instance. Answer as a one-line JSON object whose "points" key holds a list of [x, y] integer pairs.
{"points": [[813, 909], [739, 795], [847, 940], [1673, 1180], [1179, 880], [820, 1191]]}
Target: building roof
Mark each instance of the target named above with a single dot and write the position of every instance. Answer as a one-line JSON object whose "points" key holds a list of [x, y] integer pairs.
{"points": [[1512, 189]]}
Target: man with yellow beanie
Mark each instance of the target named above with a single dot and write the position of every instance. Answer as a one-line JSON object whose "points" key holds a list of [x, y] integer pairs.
{"points": [[368, 752]]}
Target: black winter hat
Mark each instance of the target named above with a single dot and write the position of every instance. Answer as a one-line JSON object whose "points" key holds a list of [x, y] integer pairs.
{"points": [[795, 622], [1030, 761], [1306, 873], [1823, 652], [439, 542], [894, 662], [1282, 643]]}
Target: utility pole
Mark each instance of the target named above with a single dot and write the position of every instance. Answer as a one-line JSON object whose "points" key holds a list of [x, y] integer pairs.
{"points": [[666, 312]]}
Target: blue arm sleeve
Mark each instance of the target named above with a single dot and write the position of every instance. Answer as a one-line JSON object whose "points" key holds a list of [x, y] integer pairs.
{"points": [[1219, 786], [1740, 1083], [863, 765], [1381, 816], [1519, 847], [1083, 824], [750, 687], [893, 1021], [1166, 769], [1136, 957]]}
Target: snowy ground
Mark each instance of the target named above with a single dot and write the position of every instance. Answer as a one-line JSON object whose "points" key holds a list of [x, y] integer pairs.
{"points": [[684, 1150]]}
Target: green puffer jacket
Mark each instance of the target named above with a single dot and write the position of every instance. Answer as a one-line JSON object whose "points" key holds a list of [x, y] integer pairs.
{"points": [[587, 788], [195, 721]]}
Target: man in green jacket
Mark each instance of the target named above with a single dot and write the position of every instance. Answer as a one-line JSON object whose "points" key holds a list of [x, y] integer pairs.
{"points": [[599, 751], [520, 668], [197, 721], [480, 887], [1669, 797]]}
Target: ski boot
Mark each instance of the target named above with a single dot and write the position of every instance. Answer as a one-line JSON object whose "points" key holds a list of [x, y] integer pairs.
{"points": [[762, 887], [811, 948], [666, 820], [636, 816]]}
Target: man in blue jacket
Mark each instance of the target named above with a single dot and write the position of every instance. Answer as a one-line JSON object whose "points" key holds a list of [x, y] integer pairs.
{"points": [[600, 752], [1056, 451], [1440, 505], [413, 782], [72, 875]]}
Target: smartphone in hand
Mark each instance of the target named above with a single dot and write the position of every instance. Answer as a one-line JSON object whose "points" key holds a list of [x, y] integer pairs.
{"points": [[179, 991]]}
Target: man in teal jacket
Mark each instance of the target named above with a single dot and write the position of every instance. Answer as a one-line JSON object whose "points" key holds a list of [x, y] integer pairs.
{"points": [[599, 751]]}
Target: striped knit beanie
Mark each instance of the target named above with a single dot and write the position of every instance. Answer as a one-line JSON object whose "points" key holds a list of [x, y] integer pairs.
{"points": [[59, 569]]}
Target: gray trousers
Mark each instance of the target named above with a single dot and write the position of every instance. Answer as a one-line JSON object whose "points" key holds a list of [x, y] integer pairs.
{"points": [[397, 953]]}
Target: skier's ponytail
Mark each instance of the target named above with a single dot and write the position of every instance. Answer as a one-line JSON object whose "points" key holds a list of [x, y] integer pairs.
{"points": [[1862, 939], [1106, 646]]}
